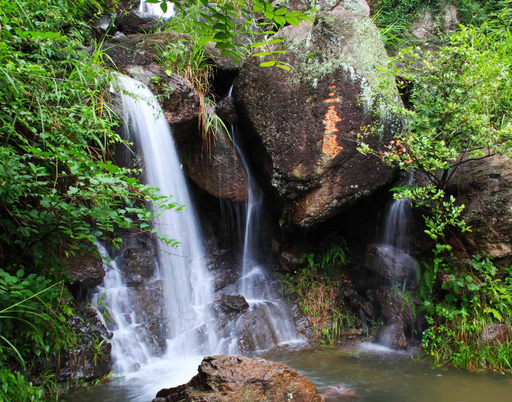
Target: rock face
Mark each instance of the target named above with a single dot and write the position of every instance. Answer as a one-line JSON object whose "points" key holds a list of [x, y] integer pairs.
{"points": [[304, 125], [485, 187], [242, 379]]}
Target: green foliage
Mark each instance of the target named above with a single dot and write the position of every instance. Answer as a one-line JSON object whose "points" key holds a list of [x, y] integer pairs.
{"points": [[466, 302], [14, 386], [460, 110], [231, 25], [316, 289], [59, 190]]}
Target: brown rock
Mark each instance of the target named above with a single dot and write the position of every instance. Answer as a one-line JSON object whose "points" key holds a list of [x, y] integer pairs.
{"points": [[220, 172], [497, 333], [243, 379], [86, 270], [485, 187], [304, 126], [290, 260]]}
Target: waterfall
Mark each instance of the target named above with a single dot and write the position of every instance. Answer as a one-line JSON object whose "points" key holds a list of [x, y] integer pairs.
{"points": [[187, 283], [192, 328], [273, 313]]}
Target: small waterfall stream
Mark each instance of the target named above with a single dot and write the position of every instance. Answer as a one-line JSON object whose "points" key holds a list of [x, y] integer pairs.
{"points": [[255, 284]]}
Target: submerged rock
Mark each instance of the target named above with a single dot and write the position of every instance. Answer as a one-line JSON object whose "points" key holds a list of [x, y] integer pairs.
{"points": [[242, 379], [337, 393], [304, 125]]}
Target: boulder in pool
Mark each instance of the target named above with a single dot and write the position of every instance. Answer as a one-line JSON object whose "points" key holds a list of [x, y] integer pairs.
{"points": [[237, 379]]}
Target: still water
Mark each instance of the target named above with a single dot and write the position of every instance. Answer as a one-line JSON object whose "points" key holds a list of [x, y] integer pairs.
{"points": [[377, 374]]}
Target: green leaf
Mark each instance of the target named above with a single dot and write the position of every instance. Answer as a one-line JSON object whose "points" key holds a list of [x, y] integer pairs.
{"points": [[268, 64], [293, 21], [261, 54]]}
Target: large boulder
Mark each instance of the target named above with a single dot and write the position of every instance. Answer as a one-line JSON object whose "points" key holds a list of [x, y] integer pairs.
{"points": [[304, 125], [485, 187], [239, 379]]}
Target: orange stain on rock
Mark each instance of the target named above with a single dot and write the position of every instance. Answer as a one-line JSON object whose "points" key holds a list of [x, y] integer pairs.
{"points": [[330, 145], [332, 100]]}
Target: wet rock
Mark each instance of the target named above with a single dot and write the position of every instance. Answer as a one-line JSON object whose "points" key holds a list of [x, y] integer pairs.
{"points": [[135, 22], [223, 264], [87, 273], [392, 336], [220, 170], [149, 307], [230, 304], [290, 260], [304, 325], [337, 393], [496, 333], [304, 126], [395, 308], [139, 264], [389, 262], [226, 110], [238, 379], [254, 330]]}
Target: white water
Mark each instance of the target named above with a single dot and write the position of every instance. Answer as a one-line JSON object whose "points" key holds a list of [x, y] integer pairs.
{"points": [[113, 300], [155, 9]]}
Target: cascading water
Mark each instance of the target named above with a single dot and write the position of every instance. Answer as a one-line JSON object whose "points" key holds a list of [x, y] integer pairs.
{"points": [[113, 300], [193, 329], [255, 284], [187, 283]]}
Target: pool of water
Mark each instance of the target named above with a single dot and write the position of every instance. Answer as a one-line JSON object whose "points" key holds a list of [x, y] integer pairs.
{"points": [[375, 373]]}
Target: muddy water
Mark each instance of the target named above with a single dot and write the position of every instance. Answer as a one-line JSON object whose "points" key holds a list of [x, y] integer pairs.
{"points": [[377, 374]]}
